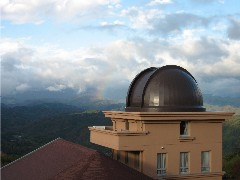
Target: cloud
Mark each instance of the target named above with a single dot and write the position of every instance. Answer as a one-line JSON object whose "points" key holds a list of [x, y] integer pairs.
{"points": [[220, 87], [156, 2], [157, 22], [206, 50], [22, 87], [11, 60], [37, 11], [56, 87], [140, 17], [111, 68], [154, 34], [206, 2], [115, 23], [175, 23], [219, 73], [54, 69], [233, 30], [111, 25]]}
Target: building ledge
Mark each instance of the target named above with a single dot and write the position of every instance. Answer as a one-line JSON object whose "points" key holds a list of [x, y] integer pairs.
{"points": [[186, 138], [193, 176], [169, 116], [103, 129]]}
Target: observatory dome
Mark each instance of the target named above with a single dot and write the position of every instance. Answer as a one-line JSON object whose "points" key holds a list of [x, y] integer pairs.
{"points": [[166, 89]]}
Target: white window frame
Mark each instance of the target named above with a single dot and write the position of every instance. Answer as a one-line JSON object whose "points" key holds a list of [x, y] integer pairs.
{"points": [[205, 165], [161, 164], [184, 162]]}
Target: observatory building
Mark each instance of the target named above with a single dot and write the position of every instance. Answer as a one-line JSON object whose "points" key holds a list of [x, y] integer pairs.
{"points": [[165, 132]]}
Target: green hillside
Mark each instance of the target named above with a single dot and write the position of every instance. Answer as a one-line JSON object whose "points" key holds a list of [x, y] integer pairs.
{"points": [[26, 128], [231, 147]]}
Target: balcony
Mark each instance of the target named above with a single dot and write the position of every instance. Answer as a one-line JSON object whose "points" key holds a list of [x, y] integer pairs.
{"points": [[118, 140]]}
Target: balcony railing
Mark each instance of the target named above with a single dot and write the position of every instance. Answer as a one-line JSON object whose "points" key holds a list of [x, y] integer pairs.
{"points": [[119, 140], [104, 127], [109, 130]]}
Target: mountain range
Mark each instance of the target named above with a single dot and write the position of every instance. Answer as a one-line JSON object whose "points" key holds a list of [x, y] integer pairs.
{"points": [[28, 124]]}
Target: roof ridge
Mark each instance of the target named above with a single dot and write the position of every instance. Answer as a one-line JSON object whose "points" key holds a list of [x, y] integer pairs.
{"points": [[41, 147]]}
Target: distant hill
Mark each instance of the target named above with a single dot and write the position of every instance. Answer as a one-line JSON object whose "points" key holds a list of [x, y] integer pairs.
{"points": [[89, 99], [21, 115], [221, 101], [31, 97], [83, 101], [226, 108], [27, 125], [25, 128]]}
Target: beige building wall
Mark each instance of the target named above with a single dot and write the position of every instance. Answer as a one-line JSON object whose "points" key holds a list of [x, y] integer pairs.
{"points": [[152, 133]]}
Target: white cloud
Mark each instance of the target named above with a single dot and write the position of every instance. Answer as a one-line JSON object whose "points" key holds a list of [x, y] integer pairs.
{"points": [[37, 11], [206, 50], [169, 35], [141, 18], [157, 21], [56, 87], [114, 23], [55, 69], [156, 2], [115, 26]]}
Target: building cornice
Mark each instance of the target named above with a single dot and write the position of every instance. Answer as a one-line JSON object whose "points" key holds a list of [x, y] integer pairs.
{"points": [[170, 116]]}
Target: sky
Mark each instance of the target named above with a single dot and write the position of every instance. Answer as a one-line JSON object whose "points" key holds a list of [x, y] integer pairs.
{"points": [[101, 45]]}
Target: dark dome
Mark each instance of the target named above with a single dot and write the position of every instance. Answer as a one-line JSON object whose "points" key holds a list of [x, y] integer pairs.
{"points": [[167, 89]]}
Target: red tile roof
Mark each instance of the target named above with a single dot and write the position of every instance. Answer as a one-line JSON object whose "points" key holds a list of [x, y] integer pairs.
{"points": [[61, 159]]}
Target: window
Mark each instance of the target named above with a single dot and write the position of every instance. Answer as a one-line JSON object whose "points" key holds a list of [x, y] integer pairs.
{"points": [[205, 161], [126, 157], [118, 155], [127, 125], [184, 128], [184, 163], [136, 159], [133, 159], [161, 164]]}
